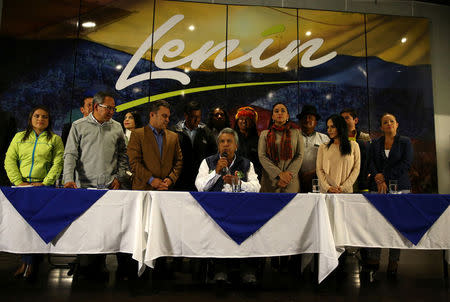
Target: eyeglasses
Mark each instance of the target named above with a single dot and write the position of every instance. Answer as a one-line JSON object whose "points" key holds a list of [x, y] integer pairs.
{"points": [[113, 109]]}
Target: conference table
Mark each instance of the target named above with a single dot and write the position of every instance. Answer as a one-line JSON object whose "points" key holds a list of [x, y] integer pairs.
{"points": [[153, 224]]}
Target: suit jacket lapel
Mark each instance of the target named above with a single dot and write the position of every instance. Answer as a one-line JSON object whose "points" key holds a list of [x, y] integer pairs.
{"points": [[165, 147], [394, 150]]}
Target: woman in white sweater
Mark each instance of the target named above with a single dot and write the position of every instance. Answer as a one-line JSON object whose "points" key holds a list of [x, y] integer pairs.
{"points": [[338, 162]]}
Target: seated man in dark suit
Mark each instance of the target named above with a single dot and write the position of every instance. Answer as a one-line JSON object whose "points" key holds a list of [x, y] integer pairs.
{"points": [[216, 173]]}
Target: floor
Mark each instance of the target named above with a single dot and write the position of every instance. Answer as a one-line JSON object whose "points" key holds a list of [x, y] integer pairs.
{"points": [[420, 278]]}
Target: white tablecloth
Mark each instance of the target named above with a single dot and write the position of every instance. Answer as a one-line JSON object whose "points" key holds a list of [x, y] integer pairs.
{"points": [[179, 226], [154, 224], [106, 227], [356, 222]]}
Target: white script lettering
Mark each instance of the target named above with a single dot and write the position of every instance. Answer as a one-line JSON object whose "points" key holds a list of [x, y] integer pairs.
{"points": [[175, 47]]}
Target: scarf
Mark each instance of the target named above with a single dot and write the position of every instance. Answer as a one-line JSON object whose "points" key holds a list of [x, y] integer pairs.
{"points": [[285, 144]]}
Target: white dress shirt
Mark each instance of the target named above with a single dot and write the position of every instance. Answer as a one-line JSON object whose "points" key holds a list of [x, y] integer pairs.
{"points": [[127, 135], [206, 179], [312, 143]]}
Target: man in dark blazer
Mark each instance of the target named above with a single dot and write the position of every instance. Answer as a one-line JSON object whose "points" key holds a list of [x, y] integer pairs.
{"points": [[196, 141], [154, 152]]}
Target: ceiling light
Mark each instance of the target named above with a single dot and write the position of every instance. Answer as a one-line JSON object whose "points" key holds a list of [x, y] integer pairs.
{"points": [[308, 33], [191, 28], [88, 24], [119, 67], [404, 40]]}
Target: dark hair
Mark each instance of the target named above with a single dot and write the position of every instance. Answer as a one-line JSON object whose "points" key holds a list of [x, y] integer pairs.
{"points": [[192, 106], [137, 119], [273, 107], [30, 125], [154, 106], [210, 123], [83, 101], [387, 113], [342, 132], [252, 131], [350, 111]]}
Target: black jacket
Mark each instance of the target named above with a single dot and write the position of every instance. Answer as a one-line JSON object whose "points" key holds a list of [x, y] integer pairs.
{"points": [[396, 166], [248, 148], [204, 145]]}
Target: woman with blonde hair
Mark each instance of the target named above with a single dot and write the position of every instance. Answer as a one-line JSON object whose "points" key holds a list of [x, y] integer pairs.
{"points": [[390, 158]]}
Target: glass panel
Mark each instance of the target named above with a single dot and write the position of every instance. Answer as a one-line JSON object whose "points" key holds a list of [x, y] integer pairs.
{"points": [[114, 55], [334, 76], [398, 50], [262, 64], [184, 55], [38, 52]]}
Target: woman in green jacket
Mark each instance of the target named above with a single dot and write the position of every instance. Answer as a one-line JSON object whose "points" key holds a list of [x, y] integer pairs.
{"points": [[34, 157]]}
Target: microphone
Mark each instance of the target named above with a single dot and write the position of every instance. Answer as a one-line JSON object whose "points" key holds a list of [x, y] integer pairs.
{"points": [[225, 170]]}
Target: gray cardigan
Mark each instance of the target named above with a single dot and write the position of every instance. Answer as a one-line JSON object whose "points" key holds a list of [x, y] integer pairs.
{"points": [[94, 150]]}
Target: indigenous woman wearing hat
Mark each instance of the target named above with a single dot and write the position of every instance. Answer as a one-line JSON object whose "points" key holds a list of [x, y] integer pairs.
{"points": [[245, 126], [338, 162], [280, 151]]}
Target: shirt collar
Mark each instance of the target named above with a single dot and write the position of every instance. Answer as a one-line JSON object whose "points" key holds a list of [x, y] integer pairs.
{"points": [[232, 162], [36, 135], [156, 131], [95, 120], [309, 135], [234, 159], [184, 127]]}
